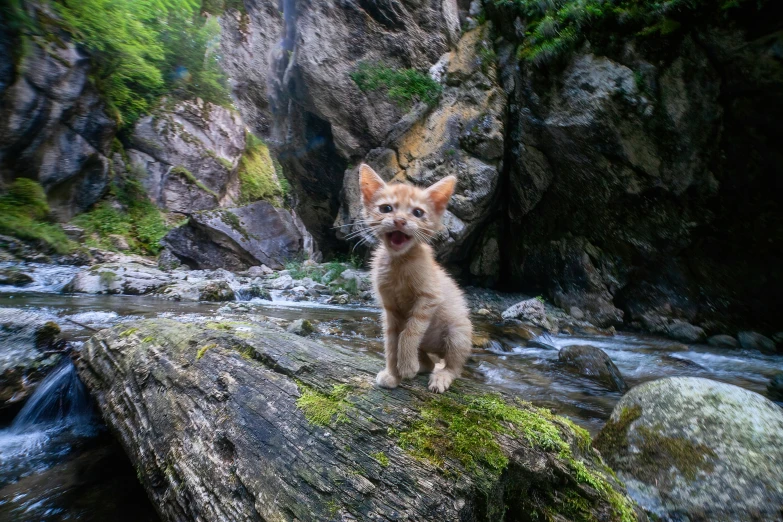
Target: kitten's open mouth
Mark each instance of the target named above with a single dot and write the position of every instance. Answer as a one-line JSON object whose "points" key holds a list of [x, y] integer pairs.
{"points": [[397, 239]]}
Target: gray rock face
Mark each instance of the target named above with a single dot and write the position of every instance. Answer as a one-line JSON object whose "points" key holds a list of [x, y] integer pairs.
{"points": [[186, 156], [237, 238], [691, 448], [756, 341], [593, 363], [462, 136], [622, 169], [304, 99], [53, 124], [30, 348]]}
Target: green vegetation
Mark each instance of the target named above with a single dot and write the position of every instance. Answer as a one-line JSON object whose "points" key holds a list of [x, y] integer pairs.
{"points": [[138, 220], [468, 429], [257, 177], [143, 49], [556, 27], [24, 213], [201, 351], [402, 86], [382, 458], [322, 409]]}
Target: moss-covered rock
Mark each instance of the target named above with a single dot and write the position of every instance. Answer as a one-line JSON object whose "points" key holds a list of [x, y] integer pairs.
{"points": [[238, 421], [217, 291], [695, 449]]}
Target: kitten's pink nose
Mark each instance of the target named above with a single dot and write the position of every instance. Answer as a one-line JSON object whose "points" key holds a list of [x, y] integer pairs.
{"points": [[399, 222]]}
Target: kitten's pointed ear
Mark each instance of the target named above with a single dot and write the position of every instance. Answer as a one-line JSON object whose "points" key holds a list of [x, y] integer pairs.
{"points": [[440, 193], [370, 183]]}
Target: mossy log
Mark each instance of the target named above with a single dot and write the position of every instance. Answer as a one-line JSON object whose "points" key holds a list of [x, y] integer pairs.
{"points": [[235, 421]]}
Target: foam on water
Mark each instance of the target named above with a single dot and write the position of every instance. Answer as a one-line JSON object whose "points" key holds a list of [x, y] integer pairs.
{"points": [[46, 278]]}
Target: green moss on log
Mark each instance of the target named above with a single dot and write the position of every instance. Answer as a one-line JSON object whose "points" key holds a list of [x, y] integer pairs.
{"points": [[469, 430], [322, 409]]}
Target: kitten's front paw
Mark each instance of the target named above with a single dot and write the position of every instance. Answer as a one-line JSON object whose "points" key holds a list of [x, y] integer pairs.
{"points": [[408, 369], [440, 381], [384, 379]]}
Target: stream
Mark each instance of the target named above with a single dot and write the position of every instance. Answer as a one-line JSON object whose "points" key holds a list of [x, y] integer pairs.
{"points": [[58, 461]]}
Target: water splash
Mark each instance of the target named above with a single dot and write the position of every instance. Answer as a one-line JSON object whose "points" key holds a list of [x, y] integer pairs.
{"points": [[57, 418], [46, 278], [60, 400]]}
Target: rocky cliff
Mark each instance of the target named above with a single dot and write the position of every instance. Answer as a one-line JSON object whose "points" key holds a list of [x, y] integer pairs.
{"points": [[631, 177], [54, 127]]}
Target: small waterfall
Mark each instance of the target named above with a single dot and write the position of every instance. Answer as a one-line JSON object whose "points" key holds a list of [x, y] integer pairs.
{"points": [[60, 401], [282, 60]]}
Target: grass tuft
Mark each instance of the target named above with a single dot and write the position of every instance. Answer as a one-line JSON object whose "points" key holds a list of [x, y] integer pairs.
{"points": [[402, 86], [24, 213]]}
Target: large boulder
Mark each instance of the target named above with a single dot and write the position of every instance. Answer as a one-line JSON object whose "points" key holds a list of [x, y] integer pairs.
{"points": [[593, 363], [29, 347], [237, 421], [694, 449], [54, 127], [187, 155], [237, 238]]}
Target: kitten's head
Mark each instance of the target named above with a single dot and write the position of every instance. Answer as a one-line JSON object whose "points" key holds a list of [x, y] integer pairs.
{"points": [[401, 215]]}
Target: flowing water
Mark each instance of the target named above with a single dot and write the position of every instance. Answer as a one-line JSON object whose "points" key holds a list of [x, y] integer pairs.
{"points": [[58, 463]]}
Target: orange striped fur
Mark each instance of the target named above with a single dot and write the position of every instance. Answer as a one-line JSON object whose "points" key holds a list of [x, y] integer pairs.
{"points": [[424, 311]]}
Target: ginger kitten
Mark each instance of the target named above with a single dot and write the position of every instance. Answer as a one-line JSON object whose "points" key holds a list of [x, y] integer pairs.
{"points": [[424, 312]]}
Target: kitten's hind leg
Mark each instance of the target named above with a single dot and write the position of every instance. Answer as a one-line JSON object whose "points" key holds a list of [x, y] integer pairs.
{"points": [[458, 346], [426, 365]]}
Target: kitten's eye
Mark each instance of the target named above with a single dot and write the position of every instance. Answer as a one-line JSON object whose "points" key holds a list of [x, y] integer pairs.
{"points": [[418, 212], [385, 209]]}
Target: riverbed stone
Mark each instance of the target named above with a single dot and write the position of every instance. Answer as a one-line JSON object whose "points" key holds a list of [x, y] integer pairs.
{"points": [[593, 363], [14, 278], [118, 278], [685, 332], [756, 341], [301, 327], [532, 311], [775, 387], [694, 449], [723, 341]]}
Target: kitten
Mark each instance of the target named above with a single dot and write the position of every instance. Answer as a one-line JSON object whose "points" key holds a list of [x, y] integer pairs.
{"points": [[424, 312]]}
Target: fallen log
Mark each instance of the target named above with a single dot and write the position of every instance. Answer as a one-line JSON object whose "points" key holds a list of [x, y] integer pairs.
{"points": [[235, 421]]}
